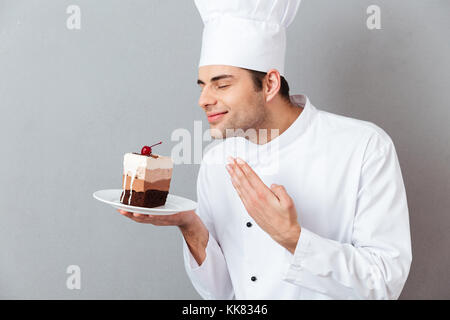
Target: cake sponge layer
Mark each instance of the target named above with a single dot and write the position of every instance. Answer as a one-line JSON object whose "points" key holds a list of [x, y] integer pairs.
{"points": [[140, 185]]}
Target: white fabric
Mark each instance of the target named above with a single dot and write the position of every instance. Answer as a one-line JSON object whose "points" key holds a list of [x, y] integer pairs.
{"points": [[344, 177], [246, 33]]}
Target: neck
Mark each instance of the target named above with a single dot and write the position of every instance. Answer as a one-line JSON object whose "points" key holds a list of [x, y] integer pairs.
{"points": [[280, 115]]}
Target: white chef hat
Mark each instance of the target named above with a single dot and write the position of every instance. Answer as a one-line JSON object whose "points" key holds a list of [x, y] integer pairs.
{"points": [[249, 34]]}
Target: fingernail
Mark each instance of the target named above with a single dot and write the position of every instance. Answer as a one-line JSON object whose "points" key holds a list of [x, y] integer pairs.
{"points": [[240, 161], [228, 167], [230, 159]]}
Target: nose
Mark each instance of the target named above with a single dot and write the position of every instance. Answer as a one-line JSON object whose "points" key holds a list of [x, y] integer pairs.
{"points": [[206, 98]]}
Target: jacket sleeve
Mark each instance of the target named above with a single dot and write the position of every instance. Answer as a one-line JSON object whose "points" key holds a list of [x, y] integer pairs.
{"points": [[375, 265], [211, 279]]}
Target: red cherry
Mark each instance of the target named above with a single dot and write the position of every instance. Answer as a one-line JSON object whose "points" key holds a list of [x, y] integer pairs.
{"points": [[146, 150]]}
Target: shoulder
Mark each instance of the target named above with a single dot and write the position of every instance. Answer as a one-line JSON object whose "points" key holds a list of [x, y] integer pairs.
{"points": [[365, 134]]}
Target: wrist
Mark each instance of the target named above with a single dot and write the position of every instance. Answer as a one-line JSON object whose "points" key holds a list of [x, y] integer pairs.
{"points": [[196, 236], [191, 225], [291, 238], [194, 231]]}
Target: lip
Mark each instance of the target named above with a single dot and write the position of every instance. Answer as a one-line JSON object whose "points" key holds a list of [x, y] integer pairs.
{"points": [[214, 117]]}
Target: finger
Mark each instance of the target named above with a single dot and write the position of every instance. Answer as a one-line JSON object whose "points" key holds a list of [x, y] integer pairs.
{"points": [[233, 178], [125, 213], [241, 177], [164, 220], [246, 193], [282, 195], [134, 216], [144, 218], [159, 220], [251, 175], [237, 187], [239, 181], [253, 179]]}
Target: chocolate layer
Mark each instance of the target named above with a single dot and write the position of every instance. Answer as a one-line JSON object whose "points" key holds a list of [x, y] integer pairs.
{"points": [[148, 199]]}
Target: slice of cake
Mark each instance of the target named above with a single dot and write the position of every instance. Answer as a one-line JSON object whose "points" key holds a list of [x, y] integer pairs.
{"points": [[146, 178]]}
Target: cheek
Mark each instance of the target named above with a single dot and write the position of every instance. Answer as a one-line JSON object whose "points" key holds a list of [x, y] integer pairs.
{"points": [[241, 102]]}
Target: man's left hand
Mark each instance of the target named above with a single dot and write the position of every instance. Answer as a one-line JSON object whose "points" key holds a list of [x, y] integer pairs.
{"points": [[271, 208]]}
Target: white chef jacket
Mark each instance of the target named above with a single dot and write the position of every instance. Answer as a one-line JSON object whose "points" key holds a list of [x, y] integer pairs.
{"points": [[344, 177]]}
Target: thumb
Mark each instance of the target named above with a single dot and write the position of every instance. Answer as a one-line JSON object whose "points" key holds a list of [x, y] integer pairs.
{"points": [[281, 193]]}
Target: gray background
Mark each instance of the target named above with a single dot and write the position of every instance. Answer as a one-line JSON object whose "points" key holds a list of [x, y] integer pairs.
{"points": [[74, 101]]}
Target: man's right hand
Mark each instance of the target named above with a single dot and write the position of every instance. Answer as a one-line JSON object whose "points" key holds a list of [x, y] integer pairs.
{"points": [[194, 231]]}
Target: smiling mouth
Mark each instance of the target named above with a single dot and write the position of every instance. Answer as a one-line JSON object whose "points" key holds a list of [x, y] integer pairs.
{"points": [[216, 116]]}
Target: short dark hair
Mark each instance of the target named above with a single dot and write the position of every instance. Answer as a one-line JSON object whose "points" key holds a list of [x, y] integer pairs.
{"points": [[258, 76]]}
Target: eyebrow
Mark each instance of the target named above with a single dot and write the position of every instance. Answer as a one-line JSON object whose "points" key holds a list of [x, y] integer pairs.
{"points": [[216, 78]]}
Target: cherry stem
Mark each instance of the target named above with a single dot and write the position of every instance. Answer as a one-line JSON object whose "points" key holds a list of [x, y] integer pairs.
{"points": [[156, 144]]}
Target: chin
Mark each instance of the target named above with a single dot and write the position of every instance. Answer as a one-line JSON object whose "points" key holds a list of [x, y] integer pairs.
{"points": [[216, 132]]}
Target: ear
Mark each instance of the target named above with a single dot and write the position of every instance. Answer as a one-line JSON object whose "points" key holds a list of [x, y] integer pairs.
{"points": [[271, 84]]}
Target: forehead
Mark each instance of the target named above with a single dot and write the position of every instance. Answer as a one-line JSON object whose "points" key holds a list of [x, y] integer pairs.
{"points": [[206, 73]]}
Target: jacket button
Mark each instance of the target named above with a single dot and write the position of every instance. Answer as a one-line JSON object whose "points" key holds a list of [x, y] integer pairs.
{"points": [[253, 278], [249, 224]]}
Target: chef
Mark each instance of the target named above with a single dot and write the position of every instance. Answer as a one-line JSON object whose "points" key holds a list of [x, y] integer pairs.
{"points": [[294, 202]]}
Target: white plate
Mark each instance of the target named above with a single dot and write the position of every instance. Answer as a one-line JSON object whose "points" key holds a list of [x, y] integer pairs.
{"points": [[173, 204]]}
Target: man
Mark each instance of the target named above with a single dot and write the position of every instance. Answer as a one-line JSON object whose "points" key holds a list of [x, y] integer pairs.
{"points": [[315, 209]]}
